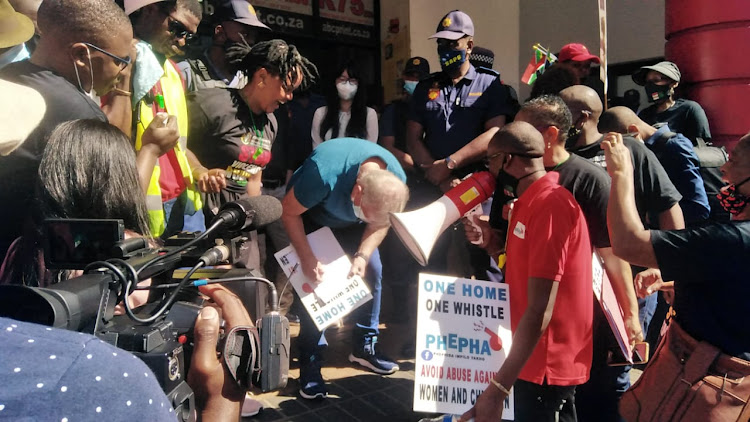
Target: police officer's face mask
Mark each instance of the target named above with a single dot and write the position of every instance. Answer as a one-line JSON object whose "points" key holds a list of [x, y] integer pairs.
{"points": [[450, 59], [657, 93]]}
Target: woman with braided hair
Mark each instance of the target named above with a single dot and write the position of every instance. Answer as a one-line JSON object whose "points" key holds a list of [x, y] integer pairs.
{"points": [[234, 128]]}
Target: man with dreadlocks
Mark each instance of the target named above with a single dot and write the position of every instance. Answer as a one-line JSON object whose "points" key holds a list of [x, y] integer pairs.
{"points": [[233, 129]]}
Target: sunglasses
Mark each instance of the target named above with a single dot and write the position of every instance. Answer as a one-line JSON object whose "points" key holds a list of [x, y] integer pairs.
{"points": [[122, 62], [178, 30], [489, 158]]}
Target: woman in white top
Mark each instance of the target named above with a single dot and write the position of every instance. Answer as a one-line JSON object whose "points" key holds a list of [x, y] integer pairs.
{"points": [[348, 116]]}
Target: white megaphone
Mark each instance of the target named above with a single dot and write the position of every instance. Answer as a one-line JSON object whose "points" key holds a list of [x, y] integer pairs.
{"points": [[419, 229]]}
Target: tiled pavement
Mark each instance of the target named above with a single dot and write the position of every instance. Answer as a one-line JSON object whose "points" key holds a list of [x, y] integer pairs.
{"points": [[354, 394]]}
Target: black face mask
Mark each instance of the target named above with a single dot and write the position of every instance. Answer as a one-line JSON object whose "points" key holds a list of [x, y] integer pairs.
{"points": [[573, 135], [656, 93], [507, 185], [506, 190], [451, 60]]}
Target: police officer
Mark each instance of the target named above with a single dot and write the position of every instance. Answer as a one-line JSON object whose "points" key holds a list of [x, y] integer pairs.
{"points": [[399, 275], [454, 114], [393, 121]]}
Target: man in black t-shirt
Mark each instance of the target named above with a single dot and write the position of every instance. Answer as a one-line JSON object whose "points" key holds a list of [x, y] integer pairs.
{"points": [[709, 267], [683, 116], [235, 23], [656, 196], [598, 398], [85, 48]]}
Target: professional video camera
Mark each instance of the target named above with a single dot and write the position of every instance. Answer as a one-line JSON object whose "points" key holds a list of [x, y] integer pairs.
{"points": [[160, 332]]}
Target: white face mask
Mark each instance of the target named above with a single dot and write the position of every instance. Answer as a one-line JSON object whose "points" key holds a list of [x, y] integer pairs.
{"points": [[90, 93], [358, 211], [346, 90]]}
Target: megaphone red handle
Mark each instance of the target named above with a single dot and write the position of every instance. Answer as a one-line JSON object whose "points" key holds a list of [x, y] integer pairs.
{"points": [[474, 190]]}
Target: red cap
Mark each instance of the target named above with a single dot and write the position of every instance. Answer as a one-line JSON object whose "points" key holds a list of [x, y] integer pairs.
{"points": [[577, 53]]}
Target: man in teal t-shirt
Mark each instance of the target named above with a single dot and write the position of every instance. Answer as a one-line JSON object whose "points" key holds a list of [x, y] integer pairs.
{"points": [[350, 185]]}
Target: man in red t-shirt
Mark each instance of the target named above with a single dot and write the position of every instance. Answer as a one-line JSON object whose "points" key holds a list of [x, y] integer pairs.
{"points": [[549, 272]]}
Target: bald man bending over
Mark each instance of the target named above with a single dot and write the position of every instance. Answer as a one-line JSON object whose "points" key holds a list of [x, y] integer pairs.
{"points": [[549, 273], [674, 151]]}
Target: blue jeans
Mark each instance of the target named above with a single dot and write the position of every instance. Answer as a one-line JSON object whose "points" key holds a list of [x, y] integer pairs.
{"points": [[180, 215], [646, 310], [367, 316], [598, 399]]}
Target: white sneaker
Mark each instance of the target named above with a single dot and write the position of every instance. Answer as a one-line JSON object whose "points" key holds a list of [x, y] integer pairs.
{"points": [[250, 407]]}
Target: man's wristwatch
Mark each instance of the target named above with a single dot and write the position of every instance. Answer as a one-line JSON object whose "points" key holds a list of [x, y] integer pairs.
{"points": [[450, 163]]}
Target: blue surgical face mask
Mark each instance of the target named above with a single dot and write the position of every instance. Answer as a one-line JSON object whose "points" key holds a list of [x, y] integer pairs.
{"points": [[409, 86], [450, 59]]}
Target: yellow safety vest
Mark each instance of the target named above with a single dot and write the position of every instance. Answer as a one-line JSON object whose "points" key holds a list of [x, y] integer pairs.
{"points": [[175, 104]]}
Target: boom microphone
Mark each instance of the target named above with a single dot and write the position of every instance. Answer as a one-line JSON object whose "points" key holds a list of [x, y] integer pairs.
{"points": [[249, 213], [419, 229]]}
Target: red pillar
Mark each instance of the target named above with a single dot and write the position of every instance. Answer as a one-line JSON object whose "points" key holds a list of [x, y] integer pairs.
{"points": [[710, 42]]}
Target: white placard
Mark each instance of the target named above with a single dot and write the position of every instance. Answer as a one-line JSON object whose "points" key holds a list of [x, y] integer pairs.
{"points": [[463, 338], [337, 295]]}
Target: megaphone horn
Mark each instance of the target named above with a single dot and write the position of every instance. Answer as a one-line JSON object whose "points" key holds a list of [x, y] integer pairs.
{"points": [[419, 229]]}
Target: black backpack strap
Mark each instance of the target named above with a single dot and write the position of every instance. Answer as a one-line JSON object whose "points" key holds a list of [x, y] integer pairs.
{"points": [[700, 143], [200, 67]]}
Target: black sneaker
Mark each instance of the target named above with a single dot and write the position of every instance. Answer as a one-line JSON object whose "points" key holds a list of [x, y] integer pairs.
{"points": [[311, 381], [370, 357]]}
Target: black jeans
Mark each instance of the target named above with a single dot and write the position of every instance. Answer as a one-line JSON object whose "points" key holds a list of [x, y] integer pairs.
{"points": [[544, 403]]}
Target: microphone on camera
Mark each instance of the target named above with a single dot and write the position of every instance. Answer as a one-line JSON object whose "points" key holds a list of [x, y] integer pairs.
{"points": [[248, 213]]}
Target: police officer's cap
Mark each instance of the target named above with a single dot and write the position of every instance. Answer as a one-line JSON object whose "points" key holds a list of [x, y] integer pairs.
{"points": [[456, 24], [418, 66], [481, 56]]}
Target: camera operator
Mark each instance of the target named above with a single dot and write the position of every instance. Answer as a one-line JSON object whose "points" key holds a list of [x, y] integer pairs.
{"points": [[52, 374]]}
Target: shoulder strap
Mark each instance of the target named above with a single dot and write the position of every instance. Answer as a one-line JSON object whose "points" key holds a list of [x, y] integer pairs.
{"points": [[203, 69], [700, 143], [488, 71]]}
